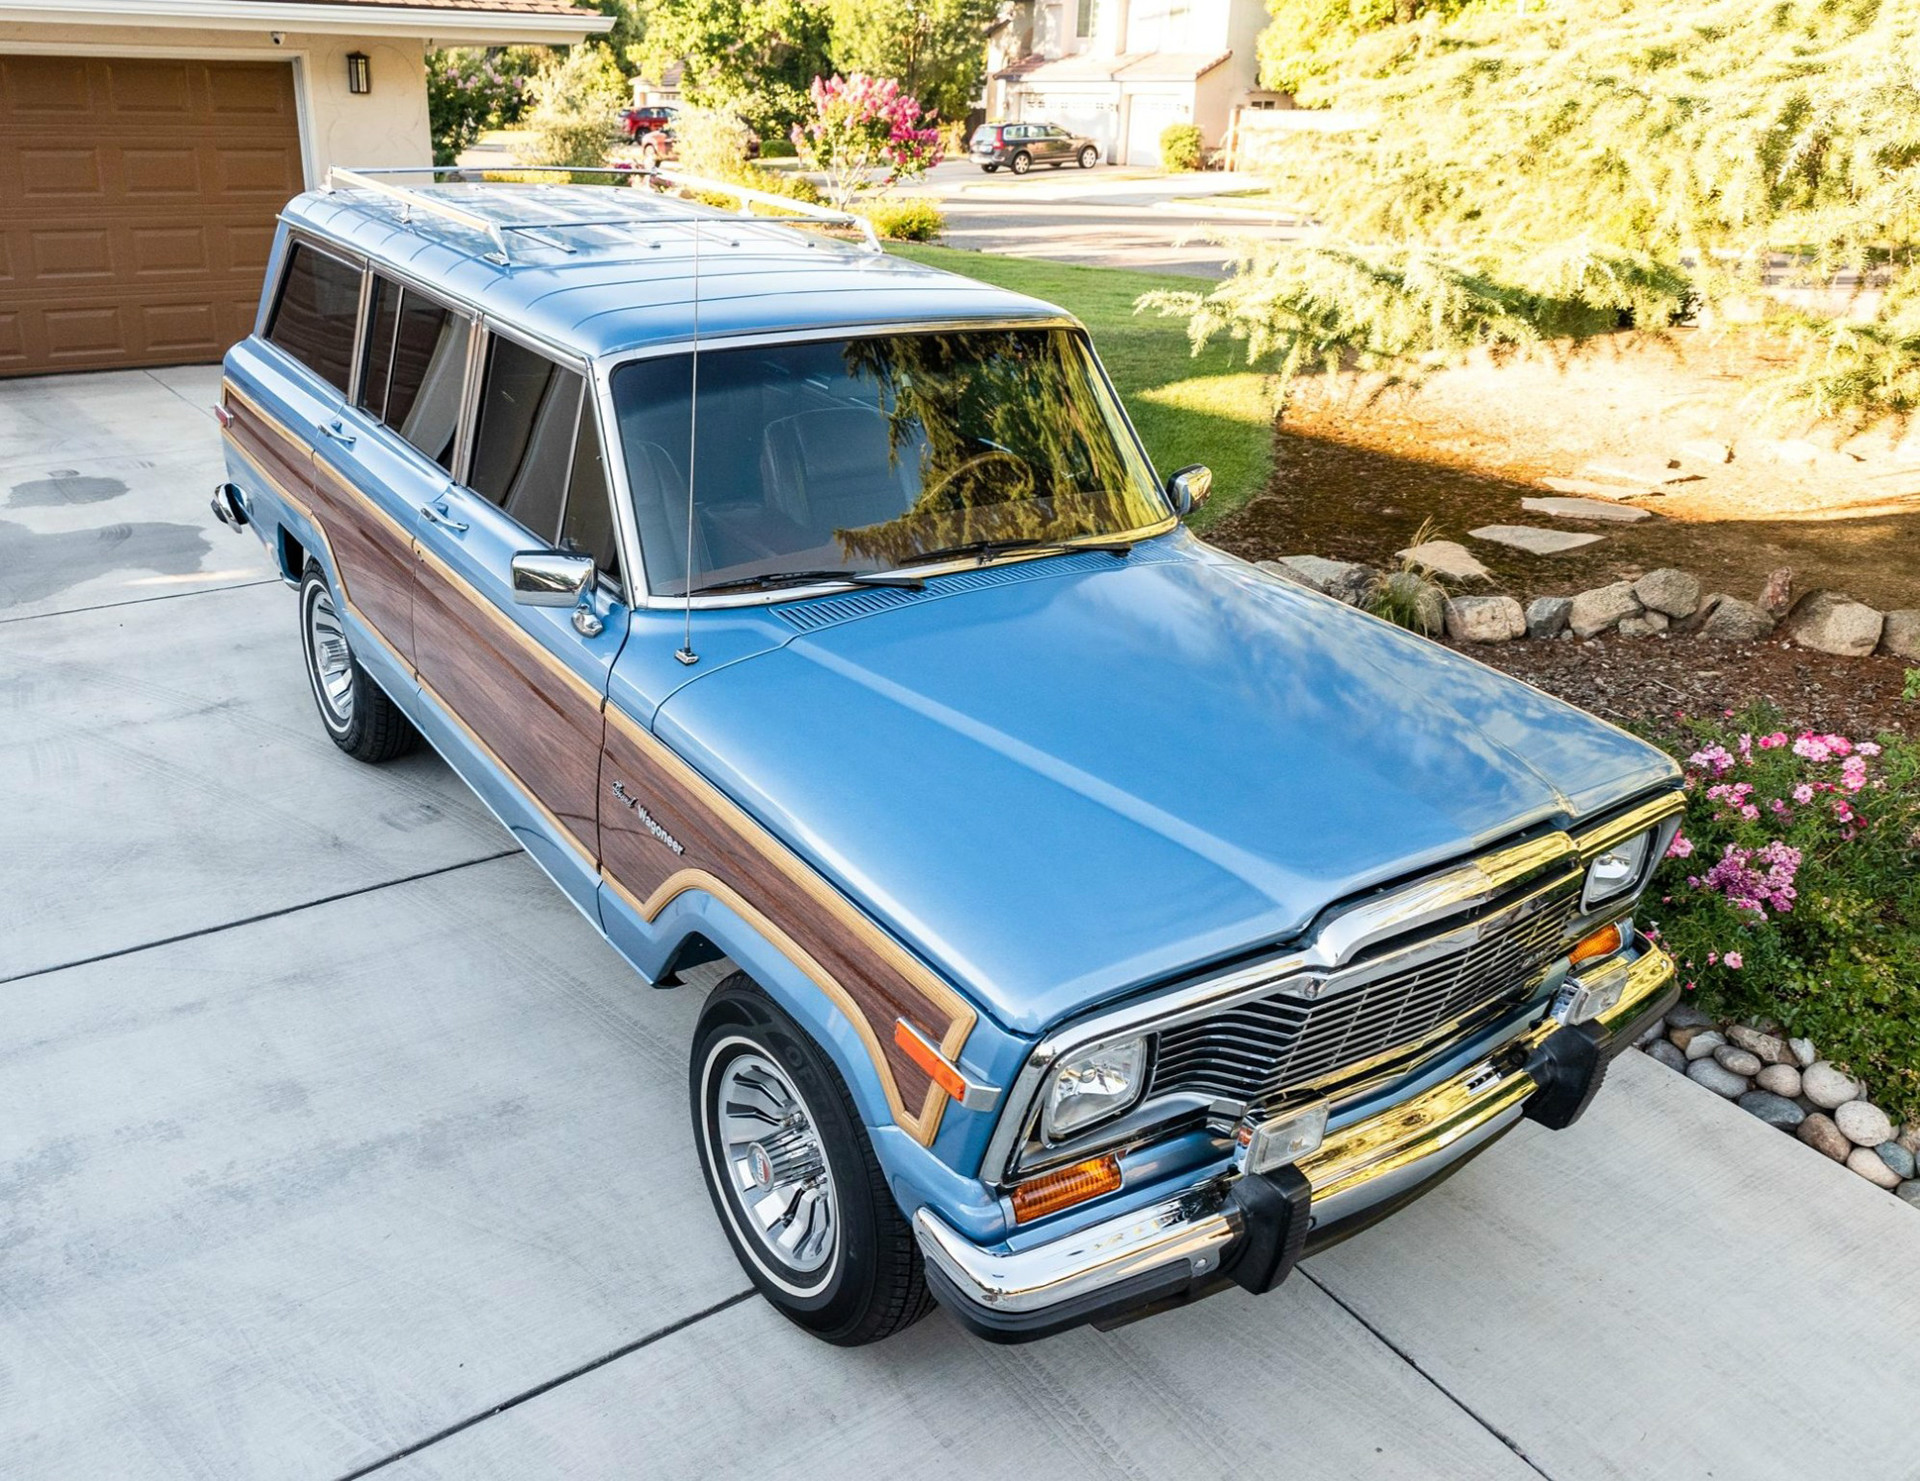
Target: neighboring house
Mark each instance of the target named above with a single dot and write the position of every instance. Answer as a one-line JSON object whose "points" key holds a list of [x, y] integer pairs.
{"points": [[146, 147], [664, 93], [1120, 71]]}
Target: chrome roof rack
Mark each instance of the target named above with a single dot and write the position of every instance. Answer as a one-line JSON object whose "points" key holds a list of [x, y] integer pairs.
{"points": [[795, 213]]}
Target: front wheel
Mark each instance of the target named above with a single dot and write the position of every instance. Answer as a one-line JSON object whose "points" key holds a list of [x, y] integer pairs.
{"points": [[1089, 157], [358, 716], [1022, 162], [793, 1176]]}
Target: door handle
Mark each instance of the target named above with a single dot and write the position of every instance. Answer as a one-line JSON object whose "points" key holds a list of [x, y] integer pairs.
{"points": [[337, 430], [440, 517]]}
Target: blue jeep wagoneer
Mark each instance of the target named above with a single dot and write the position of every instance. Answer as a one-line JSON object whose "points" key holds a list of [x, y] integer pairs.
{"points": [[1109, 921]]}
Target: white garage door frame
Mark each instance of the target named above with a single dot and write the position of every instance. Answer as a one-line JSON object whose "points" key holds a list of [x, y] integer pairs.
{"points": [[296, 56]]}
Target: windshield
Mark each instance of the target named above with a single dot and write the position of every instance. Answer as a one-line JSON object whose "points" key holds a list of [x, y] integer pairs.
{"points": [[862, 455]]}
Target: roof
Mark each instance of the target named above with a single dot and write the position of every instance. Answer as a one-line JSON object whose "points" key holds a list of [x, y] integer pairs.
{"points": [[446, 21], [627, 282], [1133, 66]]}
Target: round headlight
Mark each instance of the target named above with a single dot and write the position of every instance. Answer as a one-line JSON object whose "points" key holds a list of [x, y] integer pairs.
{"points": [[1618, 871], [1094, 1086]]}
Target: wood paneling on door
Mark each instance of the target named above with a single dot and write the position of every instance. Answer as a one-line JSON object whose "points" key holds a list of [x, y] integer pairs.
{"points": [[137, 206]]}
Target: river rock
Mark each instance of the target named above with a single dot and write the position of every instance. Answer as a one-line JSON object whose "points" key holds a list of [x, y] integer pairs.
{"points": [[1863, 1123], [1685, 1015], [1739, 1061], [1770, 1048], [1819, 1132], [1909, 1192], [1346, 581], [1446, 558], [1547, 616], [1701, 1045], [1667, 1055], [1898, 1158], [1643, 625], [1866, 1162], [1670, 591], [1804, 1053], [1900, 634], [1424, 601], [1781, 1079], [1485, 619], [1593, 612], [1910, 1137], [1719, 1081], [1826, 1087], [1773, 1109], [1735, 621], [1655, 1030], [1833, 622]]}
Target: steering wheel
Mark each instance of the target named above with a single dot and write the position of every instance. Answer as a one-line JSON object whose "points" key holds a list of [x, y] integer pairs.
{"points": [[978, 460]]}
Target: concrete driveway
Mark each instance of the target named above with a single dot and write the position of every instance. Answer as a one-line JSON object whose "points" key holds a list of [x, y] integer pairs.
{"points": [[333, 1142]]}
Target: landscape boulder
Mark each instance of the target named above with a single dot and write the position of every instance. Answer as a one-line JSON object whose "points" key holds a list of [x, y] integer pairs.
{"points": [[1345, 581], [1833, 622], [1485, 619], [1446, 558], [1675, 593], [1643, 625], [1547, 616], [1777, 595], [1900, 634], [1735, 621], [1593, 612]]}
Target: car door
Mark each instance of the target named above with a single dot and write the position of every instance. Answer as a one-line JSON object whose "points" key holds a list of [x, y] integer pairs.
{"points": [[525, 684], [1059, 144]]}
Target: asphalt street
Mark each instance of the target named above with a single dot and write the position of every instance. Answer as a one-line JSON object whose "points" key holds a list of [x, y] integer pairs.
{"points": [[334, 1142]]}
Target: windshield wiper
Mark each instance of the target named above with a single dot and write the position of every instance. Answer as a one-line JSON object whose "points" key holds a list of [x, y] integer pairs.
{"points": [[986, 550], [769, 580]]}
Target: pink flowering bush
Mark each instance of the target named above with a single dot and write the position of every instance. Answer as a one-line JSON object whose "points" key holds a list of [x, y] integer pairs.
{"points": [[863, 133], [1792, 890], [467, 93]]}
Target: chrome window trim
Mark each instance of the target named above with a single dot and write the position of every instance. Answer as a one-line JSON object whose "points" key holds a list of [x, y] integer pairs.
{"points": [[611, 361], [1551, 862]]}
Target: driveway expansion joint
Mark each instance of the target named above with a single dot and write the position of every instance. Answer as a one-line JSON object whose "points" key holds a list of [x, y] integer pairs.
{"points": [[625, 1350]]}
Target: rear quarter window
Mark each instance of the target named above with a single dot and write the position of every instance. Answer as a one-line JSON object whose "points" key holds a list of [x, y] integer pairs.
{"points": [[314, 315]]}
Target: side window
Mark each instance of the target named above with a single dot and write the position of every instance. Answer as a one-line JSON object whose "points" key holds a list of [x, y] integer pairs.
{"points": [[523, 447], [314, 318], [416, 364], [586, 528]]}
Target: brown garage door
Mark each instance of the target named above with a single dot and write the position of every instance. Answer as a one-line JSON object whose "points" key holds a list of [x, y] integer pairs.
{"points": [[137, 203]]}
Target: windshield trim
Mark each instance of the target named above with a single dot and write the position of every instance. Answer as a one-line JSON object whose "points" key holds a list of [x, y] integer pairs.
{"points": [[642, 594]]}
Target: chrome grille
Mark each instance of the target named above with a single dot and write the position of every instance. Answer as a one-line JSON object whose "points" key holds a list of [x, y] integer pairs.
{"points": [[1258, 1050]]}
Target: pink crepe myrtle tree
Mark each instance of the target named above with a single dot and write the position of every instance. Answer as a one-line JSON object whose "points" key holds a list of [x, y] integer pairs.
{"points": [[864, 134]]}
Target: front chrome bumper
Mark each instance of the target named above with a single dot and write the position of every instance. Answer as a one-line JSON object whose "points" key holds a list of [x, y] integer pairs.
{"points": [[1183, 1245]]}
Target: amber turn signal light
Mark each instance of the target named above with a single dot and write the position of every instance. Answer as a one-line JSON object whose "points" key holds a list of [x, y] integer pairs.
{"points": [[1064, 1187], [1603, 942]]}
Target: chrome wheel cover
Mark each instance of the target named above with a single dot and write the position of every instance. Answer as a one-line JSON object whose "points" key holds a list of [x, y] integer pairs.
{"points": [[329, 659], [771, 1163]]}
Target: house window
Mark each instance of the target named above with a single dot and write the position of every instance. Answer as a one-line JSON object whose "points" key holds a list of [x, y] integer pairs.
{"points": [[1083, 19]]}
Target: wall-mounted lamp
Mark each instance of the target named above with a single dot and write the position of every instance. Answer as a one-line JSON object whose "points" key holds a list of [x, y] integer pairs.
{"points": [[359, 72]]}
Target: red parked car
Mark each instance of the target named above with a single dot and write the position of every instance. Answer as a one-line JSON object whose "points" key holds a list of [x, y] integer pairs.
{"points": [[639, 122]]}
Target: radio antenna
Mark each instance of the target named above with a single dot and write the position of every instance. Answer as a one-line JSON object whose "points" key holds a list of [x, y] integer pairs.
{"points": [[685, 653]]}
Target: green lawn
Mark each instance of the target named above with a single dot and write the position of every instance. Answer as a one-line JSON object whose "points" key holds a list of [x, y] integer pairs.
{"points": [[1190, 409]]}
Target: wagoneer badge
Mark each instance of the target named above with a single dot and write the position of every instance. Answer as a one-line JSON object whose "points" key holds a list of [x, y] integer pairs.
{"points": [[646, 818]]}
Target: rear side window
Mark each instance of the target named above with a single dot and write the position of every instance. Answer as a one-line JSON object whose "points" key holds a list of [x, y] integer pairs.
{"points": [[416, 364], [313, 319]]}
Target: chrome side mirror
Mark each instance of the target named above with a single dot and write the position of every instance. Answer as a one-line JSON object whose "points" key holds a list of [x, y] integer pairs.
{"points": [[1190, 487], [550, 578]]}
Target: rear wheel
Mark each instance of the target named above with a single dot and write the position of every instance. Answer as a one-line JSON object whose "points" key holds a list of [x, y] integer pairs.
{"points": [[359, 717], [793, 1176], [989, 168], [1089, 157], [1022, 162]]}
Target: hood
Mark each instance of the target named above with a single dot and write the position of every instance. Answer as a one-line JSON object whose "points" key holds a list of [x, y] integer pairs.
{"points": [[1063, 780]]}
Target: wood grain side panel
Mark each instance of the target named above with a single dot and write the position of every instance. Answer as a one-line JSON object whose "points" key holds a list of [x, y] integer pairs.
{"points": [[374, 556], [540, 723], [872, 978]]}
